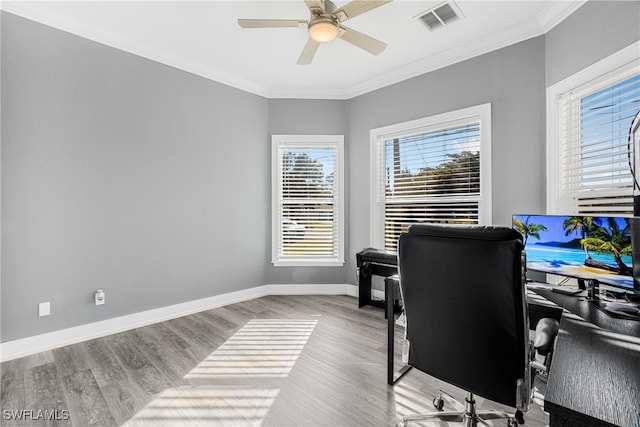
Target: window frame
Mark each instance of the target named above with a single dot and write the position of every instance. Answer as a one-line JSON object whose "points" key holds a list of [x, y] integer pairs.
{"points": [[625, 57], [307, 141], [476, 114]]}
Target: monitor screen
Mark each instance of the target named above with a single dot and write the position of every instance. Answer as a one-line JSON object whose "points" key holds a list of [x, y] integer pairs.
{"points": [[583, 247]]}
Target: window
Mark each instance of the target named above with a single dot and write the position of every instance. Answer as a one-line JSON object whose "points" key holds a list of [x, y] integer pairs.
{"points": [[434, 170], [307, 200], [588, 155]]}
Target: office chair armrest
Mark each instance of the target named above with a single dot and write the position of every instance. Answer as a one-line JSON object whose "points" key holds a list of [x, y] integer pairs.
{"points": [[546, 331]]}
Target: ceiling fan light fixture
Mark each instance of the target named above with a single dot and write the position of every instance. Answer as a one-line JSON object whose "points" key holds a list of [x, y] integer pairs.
{"points": [[323, 30]]}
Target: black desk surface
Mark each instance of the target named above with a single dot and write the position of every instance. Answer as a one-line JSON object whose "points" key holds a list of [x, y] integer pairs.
{"points": [[578, 305], [595, 372]]}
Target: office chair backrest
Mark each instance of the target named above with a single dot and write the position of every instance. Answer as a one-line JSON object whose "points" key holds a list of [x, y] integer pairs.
{"points": [[464, 300]]}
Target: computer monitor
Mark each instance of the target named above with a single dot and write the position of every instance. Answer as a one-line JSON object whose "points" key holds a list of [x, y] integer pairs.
{"points": [[583, 247]]}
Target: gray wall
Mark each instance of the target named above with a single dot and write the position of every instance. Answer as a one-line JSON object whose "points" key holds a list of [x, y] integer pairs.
{"points": [[116, 171], [123, 174], [511, 79], [307, 117], [593, 32]]}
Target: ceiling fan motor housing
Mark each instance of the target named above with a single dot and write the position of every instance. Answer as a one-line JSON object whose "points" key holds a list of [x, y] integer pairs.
{"points": [[329, 8]]}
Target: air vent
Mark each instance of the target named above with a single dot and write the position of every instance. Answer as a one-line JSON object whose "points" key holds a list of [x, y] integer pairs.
{"points": [[440, 16]]}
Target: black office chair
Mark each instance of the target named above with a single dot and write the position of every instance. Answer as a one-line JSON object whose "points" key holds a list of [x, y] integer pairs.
{"points": [[466, 316]]}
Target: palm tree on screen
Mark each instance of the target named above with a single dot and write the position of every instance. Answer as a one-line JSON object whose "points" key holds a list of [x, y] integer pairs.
{"points": [[612, 240], [582, 225], [527, 228]]}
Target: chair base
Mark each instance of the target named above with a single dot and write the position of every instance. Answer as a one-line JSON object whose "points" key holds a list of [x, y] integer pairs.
{"points": [[466, 414]]}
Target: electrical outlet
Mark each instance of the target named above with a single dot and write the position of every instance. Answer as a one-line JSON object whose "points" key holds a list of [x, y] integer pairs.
{"points": [[44, 309]]}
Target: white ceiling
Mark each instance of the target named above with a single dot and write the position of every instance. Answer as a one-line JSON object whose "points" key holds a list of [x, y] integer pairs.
{"points": [[204, 38]]}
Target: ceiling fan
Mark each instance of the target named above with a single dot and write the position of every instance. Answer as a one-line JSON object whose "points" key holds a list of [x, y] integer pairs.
{"points": [[325, 24]]}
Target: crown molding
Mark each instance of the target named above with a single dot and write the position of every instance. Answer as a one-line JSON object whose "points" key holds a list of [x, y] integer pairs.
{"points": [[31, 11], [480, 46], [551, 16], [307, 93], [557, 12]]}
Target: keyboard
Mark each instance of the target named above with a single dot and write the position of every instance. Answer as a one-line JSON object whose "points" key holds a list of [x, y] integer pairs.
{"points": [[566, 290]]}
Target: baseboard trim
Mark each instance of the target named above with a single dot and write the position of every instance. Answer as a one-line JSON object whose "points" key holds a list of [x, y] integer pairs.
{"points": [[275, 289], [35, 344]]}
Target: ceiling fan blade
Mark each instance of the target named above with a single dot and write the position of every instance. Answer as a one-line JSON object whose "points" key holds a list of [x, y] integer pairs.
{"points": [[271, 23], [362, 41], [308, 52], [357, 7], [315, 5]]}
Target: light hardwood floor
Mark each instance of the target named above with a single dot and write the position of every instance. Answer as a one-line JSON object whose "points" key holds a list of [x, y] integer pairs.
{"points": [[272, 361]]}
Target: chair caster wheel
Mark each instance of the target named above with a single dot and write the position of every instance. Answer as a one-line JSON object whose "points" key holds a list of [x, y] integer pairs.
{"points": [[519, 417], [438, 403]]}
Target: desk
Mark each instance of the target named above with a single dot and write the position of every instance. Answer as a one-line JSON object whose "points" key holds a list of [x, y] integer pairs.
{"points": [[594, 379]]}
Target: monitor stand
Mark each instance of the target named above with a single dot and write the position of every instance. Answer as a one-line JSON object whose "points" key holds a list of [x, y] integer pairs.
{"points": [[593, 289], [581, 284]]}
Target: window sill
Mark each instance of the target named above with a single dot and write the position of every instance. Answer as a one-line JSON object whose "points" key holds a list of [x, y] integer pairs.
{"points": [[308, 263]]}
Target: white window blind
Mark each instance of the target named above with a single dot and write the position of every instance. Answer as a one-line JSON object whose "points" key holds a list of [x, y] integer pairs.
{"points": [[593, 173], [307, 206], [429, 174]]}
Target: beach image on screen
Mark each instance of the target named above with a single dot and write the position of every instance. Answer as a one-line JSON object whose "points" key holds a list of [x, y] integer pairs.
{"points": [[579, 246]]}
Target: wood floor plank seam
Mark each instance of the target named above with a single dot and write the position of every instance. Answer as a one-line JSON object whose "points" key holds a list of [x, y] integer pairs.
{"points": [[253, 363]]}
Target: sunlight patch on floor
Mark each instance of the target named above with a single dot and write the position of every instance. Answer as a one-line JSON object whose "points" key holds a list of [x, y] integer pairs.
{"points": [[262, 348], [206, 405]]}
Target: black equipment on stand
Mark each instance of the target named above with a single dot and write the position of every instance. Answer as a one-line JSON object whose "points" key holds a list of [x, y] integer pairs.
{"points": [[374, 262]]}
